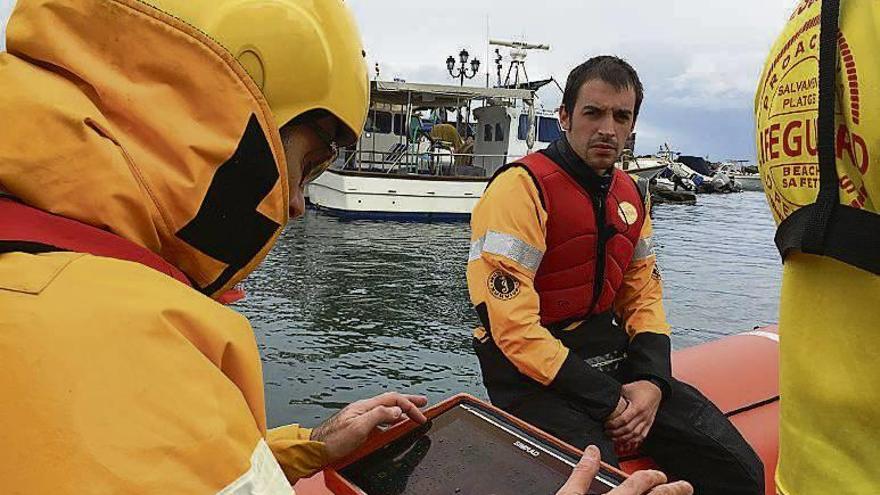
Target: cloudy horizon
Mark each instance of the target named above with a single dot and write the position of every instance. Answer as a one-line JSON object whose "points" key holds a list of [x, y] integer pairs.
{"points": [[699, 61]]}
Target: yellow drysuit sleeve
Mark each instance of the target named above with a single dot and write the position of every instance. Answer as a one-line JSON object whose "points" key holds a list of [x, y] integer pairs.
{"points": [[639, 308], [299, 457]]}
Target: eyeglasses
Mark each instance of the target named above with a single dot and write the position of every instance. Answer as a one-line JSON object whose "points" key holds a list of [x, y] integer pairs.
{"points": [[313, 168]]}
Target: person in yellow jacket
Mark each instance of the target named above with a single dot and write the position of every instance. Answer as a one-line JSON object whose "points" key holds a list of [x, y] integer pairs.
{"points": [[154, 130], [563, 277], [817, 139]]}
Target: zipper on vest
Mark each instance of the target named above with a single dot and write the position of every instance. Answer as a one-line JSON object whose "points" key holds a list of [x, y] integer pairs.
{"points": [[599, 195]]}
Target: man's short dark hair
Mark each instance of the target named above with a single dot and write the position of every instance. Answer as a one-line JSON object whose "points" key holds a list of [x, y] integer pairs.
{"points": [[613, 70]]}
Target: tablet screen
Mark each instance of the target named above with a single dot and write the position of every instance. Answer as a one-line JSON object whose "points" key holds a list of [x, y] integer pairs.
{"points": [[467, 450]]}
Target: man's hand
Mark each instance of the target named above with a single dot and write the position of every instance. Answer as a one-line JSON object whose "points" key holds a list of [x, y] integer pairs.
{"points": [[347, 430], [622, 405], [629, 429], [640, 483]]}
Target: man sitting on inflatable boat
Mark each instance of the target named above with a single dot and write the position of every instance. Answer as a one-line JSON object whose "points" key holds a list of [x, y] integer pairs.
{"points": [[563, 277]]}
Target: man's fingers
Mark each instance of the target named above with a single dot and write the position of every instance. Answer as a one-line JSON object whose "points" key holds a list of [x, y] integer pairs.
{"points": [[623, 419], [386, 399], [419, 400], [677, 488], [409, 404], [637, 433], [627, 430], [641, 481], [381, 415], [583, 474]]}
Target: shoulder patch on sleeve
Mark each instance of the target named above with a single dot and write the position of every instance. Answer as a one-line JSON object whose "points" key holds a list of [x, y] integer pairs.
{"points": [[503, 285]]}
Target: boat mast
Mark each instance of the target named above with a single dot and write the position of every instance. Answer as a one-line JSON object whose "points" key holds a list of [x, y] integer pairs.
{"points": [[518, 53]]}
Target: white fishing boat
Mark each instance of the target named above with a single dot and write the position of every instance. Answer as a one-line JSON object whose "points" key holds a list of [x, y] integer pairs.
{"points": [[413, 163], [408, 169]]}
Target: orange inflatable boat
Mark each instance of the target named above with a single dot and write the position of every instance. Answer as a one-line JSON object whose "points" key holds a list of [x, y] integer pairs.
{"points": [[739, 373]]}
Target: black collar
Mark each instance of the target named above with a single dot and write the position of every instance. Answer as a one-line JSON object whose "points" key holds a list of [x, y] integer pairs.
{"points": [[561, 153]]}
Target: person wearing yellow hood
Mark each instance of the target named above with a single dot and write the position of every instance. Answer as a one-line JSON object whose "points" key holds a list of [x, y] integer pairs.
{"points": [[817, 139], [144, 174]]}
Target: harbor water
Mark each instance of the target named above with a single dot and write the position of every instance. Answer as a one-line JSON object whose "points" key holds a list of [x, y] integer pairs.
{"points": [[344, 310]]}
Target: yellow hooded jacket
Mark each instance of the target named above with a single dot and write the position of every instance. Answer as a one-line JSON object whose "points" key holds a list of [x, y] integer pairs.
{"points": [[829, 316], [116, 377]]}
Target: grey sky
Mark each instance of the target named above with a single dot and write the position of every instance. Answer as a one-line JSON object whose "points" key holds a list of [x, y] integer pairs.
{"points": [[5, 9], [698, 59]]}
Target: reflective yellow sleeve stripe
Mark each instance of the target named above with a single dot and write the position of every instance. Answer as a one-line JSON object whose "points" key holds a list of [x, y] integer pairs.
{"points": [[263, 478], [508, 246]]}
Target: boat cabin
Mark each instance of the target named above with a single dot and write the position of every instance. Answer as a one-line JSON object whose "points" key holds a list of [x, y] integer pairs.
{"points": [[411, 129]]}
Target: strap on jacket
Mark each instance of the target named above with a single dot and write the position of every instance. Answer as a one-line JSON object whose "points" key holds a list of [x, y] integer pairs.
{"points": [[27, 229], [828, 228]]}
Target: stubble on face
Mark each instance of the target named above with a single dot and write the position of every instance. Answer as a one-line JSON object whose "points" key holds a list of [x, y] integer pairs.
{"points": [[600, 123]]}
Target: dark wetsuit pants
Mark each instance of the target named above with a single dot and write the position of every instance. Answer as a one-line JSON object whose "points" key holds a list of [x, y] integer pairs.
{"points": [[690, 439]]}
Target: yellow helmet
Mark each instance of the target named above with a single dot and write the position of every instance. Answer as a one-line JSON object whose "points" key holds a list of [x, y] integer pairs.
{"points": [[303, 54]]}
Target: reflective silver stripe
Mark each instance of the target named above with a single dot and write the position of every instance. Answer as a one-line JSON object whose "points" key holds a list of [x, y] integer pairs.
{"points": [[508, 246], [476, 249], [265, 476], [644, 249]]}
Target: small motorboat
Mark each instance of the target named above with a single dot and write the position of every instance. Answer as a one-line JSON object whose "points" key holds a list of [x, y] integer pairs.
{"points": [[674, 190]]}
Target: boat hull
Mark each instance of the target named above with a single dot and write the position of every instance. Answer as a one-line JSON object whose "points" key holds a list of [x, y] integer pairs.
{"points": [[646, 172], [750, 182], [380, 196], [396, 197]]}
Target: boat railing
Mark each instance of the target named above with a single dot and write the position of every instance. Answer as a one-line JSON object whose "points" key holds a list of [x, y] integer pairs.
{"points": [[440, 163]]}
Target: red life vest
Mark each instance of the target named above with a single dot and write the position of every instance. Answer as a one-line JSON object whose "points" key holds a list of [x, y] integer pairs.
{"points": [[34, 230], [28, 229], [586, 258]]}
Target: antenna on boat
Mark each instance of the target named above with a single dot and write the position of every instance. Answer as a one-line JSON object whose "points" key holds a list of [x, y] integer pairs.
{"points": [[518, 53]]}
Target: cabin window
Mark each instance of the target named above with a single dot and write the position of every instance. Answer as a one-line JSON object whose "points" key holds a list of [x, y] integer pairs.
{"points": [[523, 132], [499, 133], [487, 133], [548, 129], [379, 122], [399, 127]]}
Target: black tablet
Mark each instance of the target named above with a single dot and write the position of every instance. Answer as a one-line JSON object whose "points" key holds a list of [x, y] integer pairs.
{"points": [[468, 449]]}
